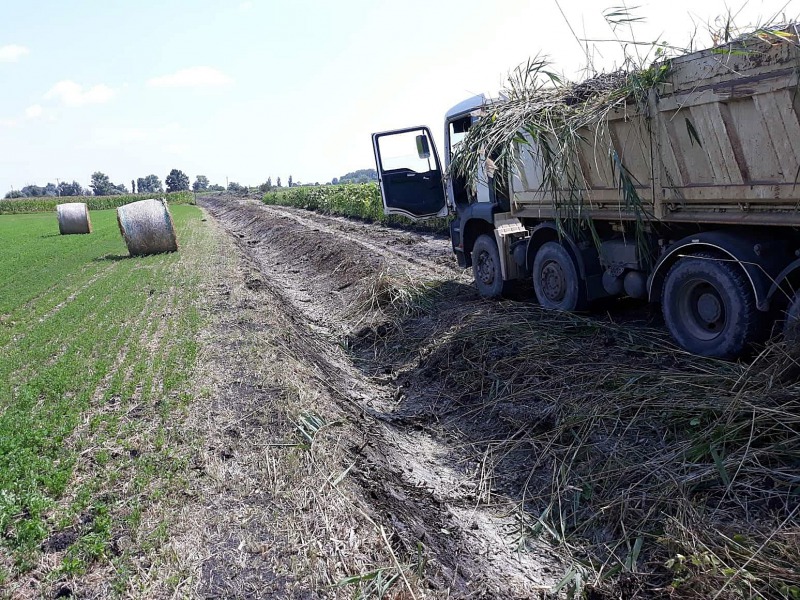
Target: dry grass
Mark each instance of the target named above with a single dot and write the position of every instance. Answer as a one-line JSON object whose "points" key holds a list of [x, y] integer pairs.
{"points": [[643, 461], [389, 296], [273, 510]]}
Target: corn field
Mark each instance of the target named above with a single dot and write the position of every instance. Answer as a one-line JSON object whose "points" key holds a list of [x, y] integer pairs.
{"points": [[361, 200], [33, 205]]}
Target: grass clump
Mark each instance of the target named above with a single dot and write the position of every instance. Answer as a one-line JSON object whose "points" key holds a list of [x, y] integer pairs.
{"points": [[394, 297]]}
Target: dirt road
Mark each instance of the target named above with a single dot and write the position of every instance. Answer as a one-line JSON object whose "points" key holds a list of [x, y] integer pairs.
{"points": [[361, 465]]}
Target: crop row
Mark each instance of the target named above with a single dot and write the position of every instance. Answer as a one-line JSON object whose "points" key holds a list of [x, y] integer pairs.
{"points": [[362, 201], [34, 205]]}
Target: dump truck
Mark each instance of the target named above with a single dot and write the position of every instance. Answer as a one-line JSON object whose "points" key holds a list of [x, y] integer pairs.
{"points": [[698, 208]]}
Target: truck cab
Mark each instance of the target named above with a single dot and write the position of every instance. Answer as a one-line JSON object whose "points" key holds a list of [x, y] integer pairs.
{"points": [[415, 183]]}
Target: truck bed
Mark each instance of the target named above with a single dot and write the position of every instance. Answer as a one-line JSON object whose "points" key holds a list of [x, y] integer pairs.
{"points": [[718, 141]]}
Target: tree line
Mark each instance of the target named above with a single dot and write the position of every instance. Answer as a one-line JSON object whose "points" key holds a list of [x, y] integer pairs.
{"points": [[176, 181], [101, 185]]}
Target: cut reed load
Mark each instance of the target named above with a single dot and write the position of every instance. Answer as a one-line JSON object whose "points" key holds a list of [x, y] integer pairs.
{"points": [[543, 117], [147, 227], [73, 217]]}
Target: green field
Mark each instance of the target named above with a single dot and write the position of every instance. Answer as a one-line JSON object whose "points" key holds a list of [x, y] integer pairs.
{"points": [[48, 204], [360, 200], [96, 350]]}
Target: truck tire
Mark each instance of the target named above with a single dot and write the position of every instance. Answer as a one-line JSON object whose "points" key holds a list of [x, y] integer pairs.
{"points": [[556, 280], [486, 267], [709, 307], [791, 326]]}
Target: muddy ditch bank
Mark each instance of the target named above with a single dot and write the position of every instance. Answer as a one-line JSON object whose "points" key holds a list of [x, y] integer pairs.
{"points": [[521, 448]]}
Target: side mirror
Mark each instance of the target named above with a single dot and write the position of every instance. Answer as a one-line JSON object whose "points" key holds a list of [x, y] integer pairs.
{"points": [[423, 148]]}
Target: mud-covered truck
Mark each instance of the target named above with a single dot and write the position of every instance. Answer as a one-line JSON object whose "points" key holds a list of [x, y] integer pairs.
{"points": [[678, 184]]}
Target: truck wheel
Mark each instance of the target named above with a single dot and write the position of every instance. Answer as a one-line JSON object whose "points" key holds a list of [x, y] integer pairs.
{"points": [[486, 267], [555, 279], [709, 307], [791, 326]]}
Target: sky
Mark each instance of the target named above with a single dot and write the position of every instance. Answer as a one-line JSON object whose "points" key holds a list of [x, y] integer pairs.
{"points": [[246, 90]]}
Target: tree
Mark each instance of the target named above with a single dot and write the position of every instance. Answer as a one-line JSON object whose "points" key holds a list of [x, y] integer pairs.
{"points": [[335, 180], [101, 185], [149, 185], [200, 184], [177, 181], [290, 181], [278, 182], [133, 186], [70, 189], [235, 187], [14, 194], [33, 191], [360, 176], [215, 187]]}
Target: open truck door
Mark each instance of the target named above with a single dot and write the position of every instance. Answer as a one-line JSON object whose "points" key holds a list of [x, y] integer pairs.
{"points": [[409, 173]]}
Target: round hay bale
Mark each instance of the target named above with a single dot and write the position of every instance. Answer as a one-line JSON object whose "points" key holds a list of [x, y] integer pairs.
{"points": [[147, 227], [73, 217]]}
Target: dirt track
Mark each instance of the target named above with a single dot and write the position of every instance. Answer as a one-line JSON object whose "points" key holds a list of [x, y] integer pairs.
{"points": [[414, 470]]}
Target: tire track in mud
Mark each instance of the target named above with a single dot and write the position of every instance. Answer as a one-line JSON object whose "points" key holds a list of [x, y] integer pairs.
{"points": [[408, 476]]}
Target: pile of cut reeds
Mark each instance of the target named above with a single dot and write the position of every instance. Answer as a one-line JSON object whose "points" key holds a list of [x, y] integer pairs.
{"points": [[677, 472]]}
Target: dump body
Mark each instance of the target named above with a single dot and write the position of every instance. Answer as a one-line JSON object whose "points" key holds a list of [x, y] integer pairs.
{"points": [[718, 142]]}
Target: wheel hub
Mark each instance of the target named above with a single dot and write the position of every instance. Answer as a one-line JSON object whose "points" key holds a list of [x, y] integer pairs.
{"points": [[703, 309], [554, 283], [709, 308], [486, 270]]}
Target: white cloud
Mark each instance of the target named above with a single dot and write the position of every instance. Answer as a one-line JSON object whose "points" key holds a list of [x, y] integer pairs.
{"points": [[192, 77], [12, 53], [245, 6], [34, 111], [8, 122], [74, 94]]}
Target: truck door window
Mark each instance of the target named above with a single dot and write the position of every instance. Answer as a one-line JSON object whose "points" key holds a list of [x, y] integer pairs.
{"points": [[458, 131], [399, 152]]}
